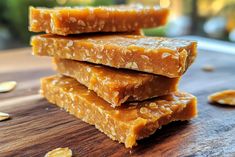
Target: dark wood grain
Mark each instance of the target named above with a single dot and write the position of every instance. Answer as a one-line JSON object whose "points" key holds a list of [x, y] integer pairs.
{"points": [[37, 126]]}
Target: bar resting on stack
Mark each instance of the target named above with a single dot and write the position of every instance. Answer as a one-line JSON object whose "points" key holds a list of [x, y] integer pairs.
{"points": [[110, 74], [157, 55], [117, 86]]}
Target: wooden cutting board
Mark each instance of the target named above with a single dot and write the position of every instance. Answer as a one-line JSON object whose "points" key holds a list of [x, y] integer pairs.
{"points": [[37, 126]]}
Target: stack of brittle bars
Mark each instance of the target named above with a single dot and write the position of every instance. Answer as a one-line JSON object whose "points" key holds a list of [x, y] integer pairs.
{"points": [[110, 75]]}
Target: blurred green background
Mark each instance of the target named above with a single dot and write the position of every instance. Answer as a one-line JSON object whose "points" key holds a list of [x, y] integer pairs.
{"points": [[209, 18]]}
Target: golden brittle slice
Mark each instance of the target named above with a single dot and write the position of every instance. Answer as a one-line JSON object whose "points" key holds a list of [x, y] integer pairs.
{"points": [[76, 20], [117, 86], [226, 97], [127, 123], [164, 56]]}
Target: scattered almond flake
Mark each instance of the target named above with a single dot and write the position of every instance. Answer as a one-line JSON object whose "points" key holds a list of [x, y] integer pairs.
{"points": [[165, 54], [208, 68], [51, 25], [81, 23], [54, 82], [73, 19], [144, 57], [99, 56], [66, 82], [60, 152], [7, 86], [70, 43], [116, 93], [131, 65], [226, 97], [143, 110], [152, 104], [133, 48], [70, 89], [71, 96], [4, 116], [34, 21], [88, 69], [175, 57], [179, 70]]}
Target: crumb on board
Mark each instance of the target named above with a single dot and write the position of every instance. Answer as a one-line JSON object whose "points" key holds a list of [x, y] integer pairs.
{"points": [[208, 68], [60, 152], [4, 116], [226, 97], [7, 86]]}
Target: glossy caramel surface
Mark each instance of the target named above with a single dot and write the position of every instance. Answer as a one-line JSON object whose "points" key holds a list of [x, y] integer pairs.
{"points": [[117, 86], [163, 56], [67, 20], [127, 123]]}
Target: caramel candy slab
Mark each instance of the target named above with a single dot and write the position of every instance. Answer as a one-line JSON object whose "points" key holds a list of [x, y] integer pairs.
{"points": [[127, 123], [117, 86], [163, 56], [67, 20]]}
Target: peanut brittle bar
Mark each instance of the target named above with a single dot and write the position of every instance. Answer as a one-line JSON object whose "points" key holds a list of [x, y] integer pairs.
{"points": [[127, 123], [67, 20], [116, 86], [157, 55]]}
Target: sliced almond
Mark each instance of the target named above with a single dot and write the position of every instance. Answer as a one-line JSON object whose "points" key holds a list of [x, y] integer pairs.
{"points": [[4, 116], [7, 86], [226, 97], [208, 68], [60, 152]]}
